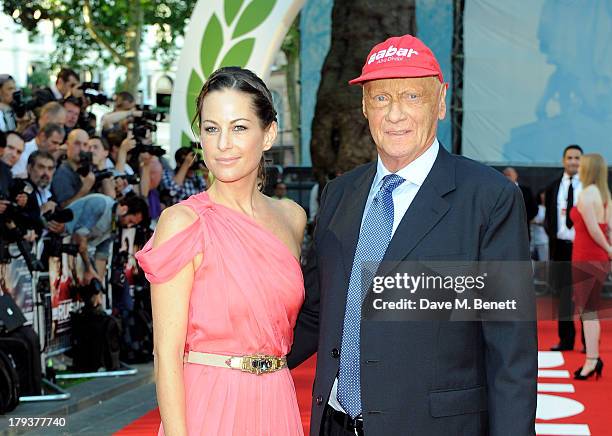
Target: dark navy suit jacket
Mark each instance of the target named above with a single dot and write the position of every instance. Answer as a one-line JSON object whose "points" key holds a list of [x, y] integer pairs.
{"points": [[424, 377]]}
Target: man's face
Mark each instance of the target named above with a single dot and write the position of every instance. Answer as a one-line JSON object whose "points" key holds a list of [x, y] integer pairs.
{"points": [[6, 91], [51, 143], [130, 219], [41, 172], [67, 87], [59, 118], [124, 105], [511, 174], [571, 161], [403, 116], [77, 142], [72, 114], [13, 150], [99, 153]]}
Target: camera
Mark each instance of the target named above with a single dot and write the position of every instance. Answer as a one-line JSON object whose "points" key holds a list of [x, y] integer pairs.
{"points": [[131, 179], [21, 107], [198, 164], [91, 90], [61, 216], [85, 163], [140, 127], [87, 292]]}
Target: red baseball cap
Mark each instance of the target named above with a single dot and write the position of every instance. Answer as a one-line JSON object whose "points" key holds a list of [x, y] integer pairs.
{"points": [[399, 57]]}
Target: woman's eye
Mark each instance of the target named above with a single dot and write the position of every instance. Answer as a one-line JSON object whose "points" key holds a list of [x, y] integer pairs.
{"points": [[239, 128], [210, 129]]}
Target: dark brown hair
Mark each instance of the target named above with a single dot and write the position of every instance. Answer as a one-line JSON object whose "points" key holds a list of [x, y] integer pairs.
{"points": [[246, 81]]}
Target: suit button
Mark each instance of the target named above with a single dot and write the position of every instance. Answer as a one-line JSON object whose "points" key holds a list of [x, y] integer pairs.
{"points": [[335, 353], [319, 400]]}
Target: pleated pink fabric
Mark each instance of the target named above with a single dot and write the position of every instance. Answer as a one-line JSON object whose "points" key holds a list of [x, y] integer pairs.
{"points": [[245, 300]]}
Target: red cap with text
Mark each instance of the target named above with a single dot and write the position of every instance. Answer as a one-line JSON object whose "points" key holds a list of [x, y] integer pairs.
{"points": [[399, 57]]}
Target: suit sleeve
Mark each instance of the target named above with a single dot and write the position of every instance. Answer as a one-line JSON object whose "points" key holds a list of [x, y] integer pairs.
{"points": [[510, 346], [306, 331]]}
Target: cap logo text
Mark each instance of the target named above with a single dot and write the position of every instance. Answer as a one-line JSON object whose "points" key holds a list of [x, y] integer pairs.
{"points": [[392, 51]]}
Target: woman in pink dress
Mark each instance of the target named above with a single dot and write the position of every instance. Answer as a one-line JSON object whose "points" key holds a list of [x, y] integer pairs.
{"points": [[226, 283], [591, 255]]}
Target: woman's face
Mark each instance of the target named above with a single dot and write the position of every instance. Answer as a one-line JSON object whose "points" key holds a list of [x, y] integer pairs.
{"points": [[232, 136], [6, 91]]}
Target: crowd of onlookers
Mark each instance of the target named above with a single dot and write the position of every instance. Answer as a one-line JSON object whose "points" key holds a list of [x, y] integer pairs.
{"points": [[55, 155]]}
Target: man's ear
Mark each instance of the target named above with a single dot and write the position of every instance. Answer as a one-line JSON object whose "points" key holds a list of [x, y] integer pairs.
{"points": [[442, 103], [270, 135], [363, 106]]}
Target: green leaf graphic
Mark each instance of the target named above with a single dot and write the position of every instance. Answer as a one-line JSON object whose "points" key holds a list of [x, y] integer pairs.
{"points": [[212, 41], [185, 140], [193, 89], [254, 14], [239, 54], [231, 9]]}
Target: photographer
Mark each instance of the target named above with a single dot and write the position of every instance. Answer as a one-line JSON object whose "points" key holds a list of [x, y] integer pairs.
{"points": [[6, 179], [103, 167], [123, 112], [66, 84], [74, 178], [14, 148], [72, 105], [95, 217], [184, 181], [8, 120], [52, 112], [48, 139]]}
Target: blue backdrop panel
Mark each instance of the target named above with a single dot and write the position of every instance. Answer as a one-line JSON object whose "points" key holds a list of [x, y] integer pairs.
{"points": [[537, 77]]}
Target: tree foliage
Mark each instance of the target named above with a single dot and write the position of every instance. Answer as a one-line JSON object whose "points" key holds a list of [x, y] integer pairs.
{"points": [[104, 32]]}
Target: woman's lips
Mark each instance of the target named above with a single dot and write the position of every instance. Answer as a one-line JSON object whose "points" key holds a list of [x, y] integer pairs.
{"points": [[227, 160]]}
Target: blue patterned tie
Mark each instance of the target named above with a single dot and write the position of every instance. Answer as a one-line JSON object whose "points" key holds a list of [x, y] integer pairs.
{"points": [[374, 237]]}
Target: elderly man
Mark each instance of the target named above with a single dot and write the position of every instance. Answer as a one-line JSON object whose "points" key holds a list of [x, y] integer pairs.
{"points": [[71, 180], [415, 202]]}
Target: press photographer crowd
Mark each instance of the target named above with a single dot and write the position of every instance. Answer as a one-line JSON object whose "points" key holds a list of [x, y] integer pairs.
{"points": [[79, 193]]}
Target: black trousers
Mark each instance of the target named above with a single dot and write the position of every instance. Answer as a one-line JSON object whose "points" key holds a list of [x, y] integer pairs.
{"points": [[331, 427], [561, 281]]}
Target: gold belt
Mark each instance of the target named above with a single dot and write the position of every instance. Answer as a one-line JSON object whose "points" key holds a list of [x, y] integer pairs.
{"points": [[255, 364]]}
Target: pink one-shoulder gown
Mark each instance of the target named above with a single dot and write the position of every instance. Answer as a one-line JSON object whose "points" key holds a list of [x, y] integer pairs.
{"points": [[245, 300]]}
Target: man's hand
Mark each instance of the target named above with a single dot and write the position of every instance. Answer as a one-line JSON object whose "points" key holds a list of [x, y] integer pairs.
{"points": [[49, 206], [145, 159], [56, 227], [90, 274], [4, 204], [128, 143], [88, 181], [30, 236], [189, 158]]}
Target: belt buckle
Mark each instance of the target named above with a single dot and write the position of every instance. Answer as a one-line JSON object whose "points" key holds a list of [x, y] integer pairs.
{"points": [[259, 364]]}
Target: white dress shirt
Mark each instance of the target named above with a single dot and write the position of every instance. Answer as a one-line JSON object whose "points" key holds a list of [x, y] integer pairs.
{"points": [[562, 231], [414, 175]]}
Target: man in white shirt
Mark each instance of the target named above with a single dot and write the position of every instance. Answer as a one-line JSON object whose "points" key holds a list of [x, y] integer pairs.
{"points": [[561, 196], [49, 138]]}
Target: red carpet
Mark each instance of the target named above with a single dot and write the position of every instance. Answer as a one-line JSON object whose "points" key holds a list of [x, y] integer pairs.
{"points": [[582, 408]]}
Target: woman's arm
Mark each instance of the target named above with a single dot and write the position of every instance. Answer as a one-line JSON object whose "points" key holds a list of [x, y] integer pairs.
{"points": [[586, 207], [170, 303]]}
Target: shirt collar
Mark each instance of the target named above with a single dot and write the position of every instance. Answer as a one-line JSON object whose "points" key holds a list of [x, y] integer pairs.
{"points": [[58, 95], [416, 171]]}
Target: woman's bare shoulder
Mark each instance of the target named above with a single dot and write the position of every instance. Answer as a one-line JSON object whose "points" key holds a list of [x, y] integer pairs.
{"points": [[172, 221]]}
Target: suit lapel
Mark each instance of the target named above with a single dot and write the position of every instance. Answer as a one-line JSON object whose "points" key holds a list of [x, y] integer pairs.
{"points": [[346, 224], [425, 211]]}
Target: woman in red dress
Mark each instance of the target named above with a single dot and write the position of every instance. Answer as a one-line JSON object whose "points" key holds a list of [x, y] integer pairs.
{"points": [[591, 254]]}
